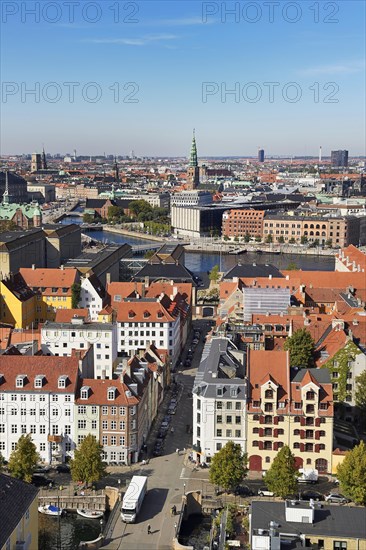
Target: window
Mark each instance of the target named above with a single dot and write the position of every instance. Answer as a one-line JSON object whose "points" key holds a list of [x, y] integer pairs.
{"points": [[309, 434], [67, 429], [339, 545], [237, 420], [297, 405], [310, 395], [268, 407], [111, 394], [218, 433], [229, 405], [114, 411], [309, 409], [94, 424], [81, 424], [122, 440], [269, 394], [122, 425], [268, 419], [42, 447], [42, 429], [237, 433], [14, 429], [219, 405], [33, 429], [256, 404], [113, 440], [104, 440], [228, 433], [94, 409], [268, 432], [104, 410], [105, 425], [113, 425], [229, 419], [309, 447]]}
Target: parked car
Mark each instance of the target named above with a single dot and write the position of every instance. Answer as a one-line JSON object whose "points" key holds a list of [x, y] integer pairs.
{"points": [[195, 342], [264, 492], [63, 468], [172, 410], [244, 491], [40, 480], [311, 495], [187, 363], [336, 497], [42, 470]]}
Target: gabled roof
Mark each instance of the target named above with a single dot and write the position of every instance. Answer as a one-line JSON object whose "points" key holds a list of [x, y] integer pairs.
{"points": [[98, 393], [66, 315], [16, 497], [50, 366], [48, 277], [142, 311]]}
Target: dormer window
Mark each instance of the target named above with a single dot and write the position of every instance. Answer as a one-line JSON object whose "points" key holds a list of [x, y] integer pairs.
{"points": [[219, 391], [1, 378], [117, 297], [233, 392], [84, 392], [54, 289], [20, 381], [310, 395], [160, 314], [38, 381], [146, 314], [131, 314], [62, 381], [269, 394], [111, 394]]}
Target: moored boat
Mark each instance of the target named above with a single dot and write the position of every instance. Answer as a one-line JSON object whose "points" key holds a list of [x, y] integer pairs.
{"points": [[50, 510], [90, 514]]}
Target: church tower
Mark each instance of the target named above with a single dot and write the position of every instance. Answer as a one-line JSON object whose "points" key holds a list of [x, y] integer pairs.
{"points": [[193, 171]]}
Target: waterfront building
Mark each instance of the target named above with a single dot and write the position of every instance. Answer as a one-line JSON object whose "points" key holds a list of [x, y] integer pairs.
{"points": [[242, 223], [219, 399], [19, 514], [61, 339], [25, 216], [186, 199], [351, 259], [288, 405], [41, 192], [299, 524], [37, 397]]}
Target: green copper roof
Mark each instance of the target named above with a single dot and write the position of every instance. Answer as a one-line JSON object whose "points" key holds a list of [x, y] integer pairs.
{"points": [[193, 161], [7, 211]]}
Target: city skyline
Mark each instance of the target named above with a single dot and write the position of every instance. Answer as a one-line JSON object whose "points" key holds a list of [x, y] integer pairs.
{"points": [[141, 77]]}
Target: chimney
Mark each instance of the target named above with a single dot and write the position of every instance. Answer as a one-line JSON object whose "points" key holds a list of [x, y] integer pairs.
{"points": [[108, 279], [33, 267], [62, 267]]}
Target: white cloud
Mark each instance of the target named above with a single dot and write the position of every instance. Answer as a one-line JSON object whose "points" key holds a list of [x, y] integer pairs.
{"points": [[334, 69], [142, 41]]}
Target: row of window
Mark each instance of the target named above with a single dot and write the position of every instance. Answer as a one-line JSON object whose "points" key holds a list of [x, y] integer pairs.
{"points": [[228, 433], [55, 413], [32, 397], [229, 405]]}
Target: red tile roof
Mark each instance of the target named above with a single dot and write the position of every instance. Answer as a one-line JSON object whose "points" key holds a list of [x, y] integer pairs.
{"points": [[50, 366], [98, 393], [49, 278], [66, 315]]}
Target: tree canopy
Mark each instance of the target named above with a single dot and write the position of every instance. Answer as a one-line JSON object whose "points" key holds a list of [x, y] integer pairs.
{"points": [[301, 348], [24, 459], [229, 466], [282, 476], [352, 474], [87, 465], [214, 274]]}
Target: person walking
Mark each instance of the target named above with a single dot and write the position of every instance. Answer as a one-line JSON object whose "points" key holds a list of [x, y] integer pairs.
{"points": [[149, 529]]}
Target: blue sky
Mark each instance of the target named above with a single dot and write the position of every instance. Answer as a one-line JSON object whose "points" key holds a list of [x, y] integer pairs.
{"points": [[148, 73]]}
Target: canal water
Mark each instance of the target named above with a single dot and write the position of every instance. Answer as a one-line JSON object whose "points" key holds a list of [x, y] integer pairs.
{"points": [[67, 532], [198, 262]]}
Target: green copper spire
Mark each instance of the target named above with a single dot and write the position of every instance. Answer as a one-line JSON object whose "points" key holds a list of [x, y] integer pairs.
{"points": [[193, 156]]}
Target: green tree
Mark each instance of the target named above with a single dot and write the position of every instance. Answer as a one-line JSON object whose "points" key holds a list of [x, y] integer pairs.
{"points": [[75, 295], [329, 243], [88, 218], [292, 240], [352, 474], [303, 239], [360, 392], [2, 463], [87, 465], [214, 274], [228, 466], [281, 239], [114, 213], [292, 267], [23, 460], [269, 238], [282, 476], [258, 239], [301, 348], [141, 207], [246, 237]]}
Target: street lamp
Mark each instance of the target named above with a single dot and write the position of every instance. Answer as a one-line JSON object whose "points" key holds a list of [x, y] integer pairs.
{"points": [[184, 488]]}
